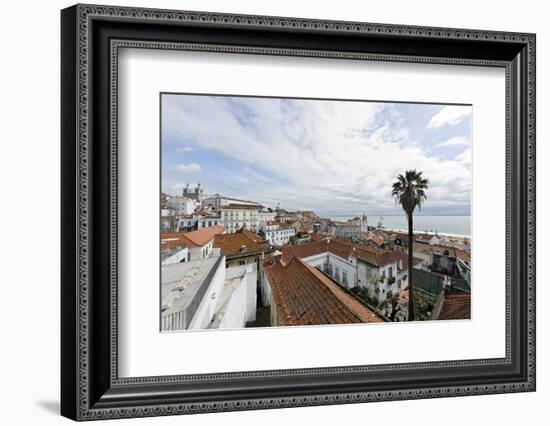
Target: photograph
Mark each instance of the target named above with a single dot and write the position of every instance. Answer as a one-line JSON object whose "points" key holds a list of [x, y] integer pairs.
{"points": [[271, 208], [306, 212]]}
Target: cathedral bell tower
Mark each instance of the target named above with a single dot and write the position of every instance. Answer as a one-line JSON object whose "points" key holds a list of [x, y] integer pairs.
{"points": [[364, 226]]}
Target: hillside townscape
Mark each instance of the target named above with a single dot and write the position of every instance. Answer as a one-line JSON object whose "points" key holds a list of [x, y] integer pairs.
{"points": [[231, 263]]}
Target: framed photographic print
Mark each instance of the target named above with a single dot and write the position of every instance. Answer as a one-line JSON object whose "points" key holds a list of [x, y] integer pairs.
{"points": [[263, 212]]}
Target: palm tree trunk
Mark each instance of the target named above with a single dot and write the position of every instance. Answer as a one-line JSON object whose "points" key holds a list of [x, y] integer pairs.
{"points": [[411, 292]]}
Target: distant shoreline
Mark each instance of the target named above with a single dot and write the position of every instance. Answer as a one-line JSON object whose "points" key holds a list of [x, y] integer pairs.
{"points": [[450, 226], [442, 234]]}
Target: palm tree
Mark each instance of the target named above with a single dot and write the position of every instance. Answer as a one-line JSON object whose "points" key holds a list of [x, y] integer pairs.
{"points": [[408, 191]]}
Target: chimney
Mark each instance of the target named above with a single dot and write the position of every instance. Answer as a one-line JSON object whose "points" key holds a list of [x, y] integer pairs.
{"points": [[447, 284]]}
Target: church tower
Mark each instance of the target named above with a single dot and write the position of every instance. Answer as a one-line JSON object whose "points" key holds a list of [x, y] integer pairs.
{"points": [[364, 226], [197, 193], [186, 191]]}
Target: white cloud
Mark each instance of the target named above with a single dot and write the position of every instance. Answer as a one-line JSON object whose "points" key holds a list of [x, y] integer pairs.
{"points": [[465, 157], [188, 169], [456, 141], [449, 115], [327, 156], [184, 149]]}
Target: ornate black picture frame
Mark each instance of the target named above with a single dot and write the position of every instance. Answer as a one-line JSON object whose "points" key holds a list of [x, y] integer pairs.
{"points": [[91, 37]]}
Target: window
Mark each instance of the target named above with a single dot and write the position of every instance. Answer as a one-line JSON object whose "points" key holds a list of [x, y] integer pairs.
{"points": [[242, 262], [390, 272]]}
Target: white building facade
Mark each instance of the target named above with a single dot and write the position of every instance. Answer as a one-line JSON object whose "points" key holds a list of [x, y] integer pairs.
{"points": [[218, 201], [237, 216], [208, 221], [381, 282], [236, 305], [182, 205], [380, 276], [278, 234], [343, 271], [352, 228], [179, 255], [200, 295], [265, 216]]}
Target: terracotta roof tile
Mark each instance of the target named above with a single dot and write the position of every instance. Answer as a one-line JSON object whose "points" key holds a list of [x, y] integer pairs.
{"points": [[317, 237], [340, 247], [456, 305], [404, 258], [190, 239], [240, 207], [232, 243], [305, 296], [438, 248]]}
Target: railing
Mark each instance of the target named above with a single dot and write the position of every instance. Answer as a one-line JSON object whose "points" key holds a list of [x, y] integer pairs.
{"points": [[175, 321], [180, 320]]}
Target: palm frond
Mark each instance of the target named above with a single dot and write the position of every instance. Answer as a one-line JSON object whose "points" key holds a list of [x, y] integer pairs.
{"points": [[409, 190]]}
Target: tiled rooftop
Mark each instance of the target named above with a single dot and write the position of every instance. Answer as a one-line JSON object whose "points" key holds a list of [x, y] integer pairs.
{"points": [[232, 243], [404, 258], [456, 305], [241, 207], [438, 248], [340, 247], [305, 296], [190, 239]]}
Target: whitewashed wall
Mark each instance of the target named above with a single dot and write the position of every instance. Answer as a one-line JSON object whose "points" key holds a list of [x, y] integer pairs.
{"points": [[207, 308], [177, 257]]}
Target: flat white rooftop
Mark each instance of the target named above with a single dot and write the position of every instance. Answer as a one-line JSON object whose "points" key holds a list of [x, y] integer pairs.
{"points": [[184, 284]]}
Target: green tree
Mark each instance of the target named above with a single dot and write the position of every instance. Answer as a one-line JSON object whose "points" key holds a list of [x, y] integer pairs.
{"points": [[409, 192], [376, 281], [394, 303]]}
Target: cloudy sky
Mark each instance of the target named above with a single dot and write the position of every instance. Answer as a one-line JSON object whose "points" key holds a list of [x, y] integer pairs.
{"points": [[334, 157]]}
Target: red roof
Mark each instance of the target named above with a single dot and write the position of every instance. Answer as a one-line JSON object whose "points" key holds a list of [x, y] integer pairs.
{"points": [[201, 212], [404, 258], [305, 296], [317, 237], [339, 247], [232, 244], [190, 239], [456, 305], [378, 240], [241, 207]]}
